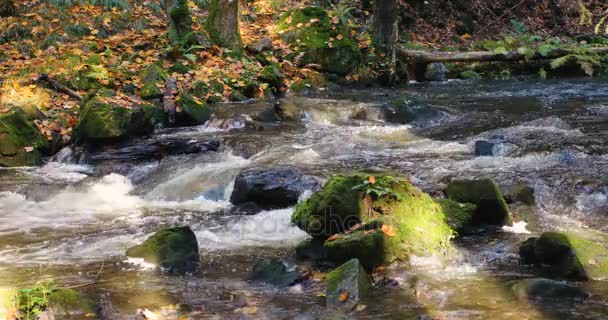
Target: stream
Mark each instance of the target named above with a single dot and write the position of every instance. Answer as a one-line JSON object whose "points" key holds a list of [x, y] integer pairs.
{"points": [[63, 220]]}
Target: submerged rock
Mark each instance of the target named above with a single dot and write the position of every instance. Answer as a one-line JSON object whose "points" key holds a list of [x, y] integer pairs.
{"points": [[484, 148], [491, 209], [173, 249], [436, 72], [21, 143], [376, 222], [276, 272], [568, 254], [346, 285], [272, 188], [322, 42], [408, 109], [282, 110], [101, 120], [545, 289]]}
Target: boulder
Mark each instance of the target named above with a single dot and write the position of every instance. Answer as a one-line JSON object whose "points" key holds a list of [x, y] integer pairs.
{"points": [[272, 188], [287, 111], [311, 250], [153, 79], [485, 148], [491, 209], [459, 216], [260, 45], [21, 143], [193, 111], [173, 249], [546, 289], [377, 222], [320, 40], [408, 109], [346, 285], [436, 72], [272, 75], [276, 272], [102, 120], [569, 255], [518, 192]]}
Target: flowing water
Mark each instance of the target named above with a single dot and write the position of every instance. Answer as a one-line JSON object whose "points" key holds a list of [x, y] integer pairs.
{"points": [[63, 221]]}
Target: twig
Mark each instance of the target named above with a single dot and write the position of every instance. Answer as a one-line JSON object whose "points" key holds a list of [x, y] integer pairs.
{"points": [[504, 14], [100, 271], [43, 77], [82, 285]]}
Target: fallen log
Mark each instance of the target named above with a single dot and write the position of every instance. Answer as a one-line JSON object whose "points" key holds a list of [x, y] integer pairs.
{"points": [[418, 60]]}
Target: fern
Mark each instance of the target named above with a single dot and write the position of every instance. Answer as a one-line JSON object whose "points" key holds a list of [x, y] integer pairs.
{"points": [[519, 28]]}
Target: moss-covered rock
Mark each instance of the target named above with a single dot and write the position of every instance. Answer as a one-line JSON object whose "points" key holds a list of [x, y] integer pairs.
{"points": [[346, 285], [391, 218], [193, 111], [89, 77], [322, 41], [459, 216], [21, 143], [272, 75], [569, 254], [101, 120], [174, 249], [153, 79], [276, 272], [409, 109], [492, 208]]}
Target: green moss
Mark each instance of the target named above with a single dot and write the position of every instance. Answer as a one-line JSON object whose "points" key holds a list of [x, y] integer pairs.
{"points": [[64, 301], [458, 215], [179, 68], [193, 109], [89, 77], [349, 277], [153, 78], [324, 43], [94, 60], [100, 121], [492, 208], [271, 75], [175, 249], [18, 132], [419, 223]]}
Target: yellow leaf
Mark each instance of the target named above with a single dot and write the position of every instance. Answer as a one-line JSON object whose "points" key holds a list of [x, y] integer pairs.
{"points": [[389, 230], [344, 296], [94, 32], [372, 179]]}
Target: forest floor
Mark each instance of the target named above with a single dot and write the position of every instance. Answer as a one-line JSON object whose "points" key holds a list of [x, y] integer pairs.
{"points": [[59, 38]]}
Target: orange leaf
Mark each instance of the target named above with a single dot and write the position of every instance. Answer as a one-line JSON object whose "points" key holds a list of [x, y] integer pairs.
{"points": [[334, 237], [344, 296], [388, 230], [372, 179]]}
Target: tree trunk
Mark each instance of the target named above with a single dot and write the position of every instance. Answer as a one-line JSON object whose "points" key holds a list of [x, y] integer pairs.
{"points": [[179, 22], [223, 24], [7, 8], [385, 36]]}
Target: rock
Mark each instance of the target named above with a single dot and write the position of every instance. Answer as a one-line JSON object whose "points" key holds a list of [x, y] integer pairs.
{"points": [[273, 76], [484, 148], [155, 149], [276, 272], [259, 46], [407, 110], [568, 255], [21, 143], [193, 111], [311, 250], [469, 74], [340, 55], [492, 208], [374, 229], [436, 72], [174, 249], [153, 79], [272, 188], [287, 111], [518, 192], [459, 216], [90, 76], [100, 120], [346, 285], [545, 289]]}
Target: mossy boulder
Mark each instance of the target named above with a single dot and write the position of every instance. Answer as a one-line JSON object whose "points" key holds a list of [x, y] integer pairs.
{"points": [[276, 272], [90, 77], [173, 249], [346, 285], [377, 222], [459, 216], [153, 79], [491, 209], [21, 143], [193, 110], [102, 120], [322, 40], [569, 255], [272, 75]]}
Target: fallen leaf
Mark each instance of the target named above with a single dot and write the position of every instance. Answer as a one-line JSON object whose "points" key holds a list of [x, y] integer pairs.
{"points": [[339, 37], [372, 179], [333, 237], [389, 230], [28, 149], [344, 296]]}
